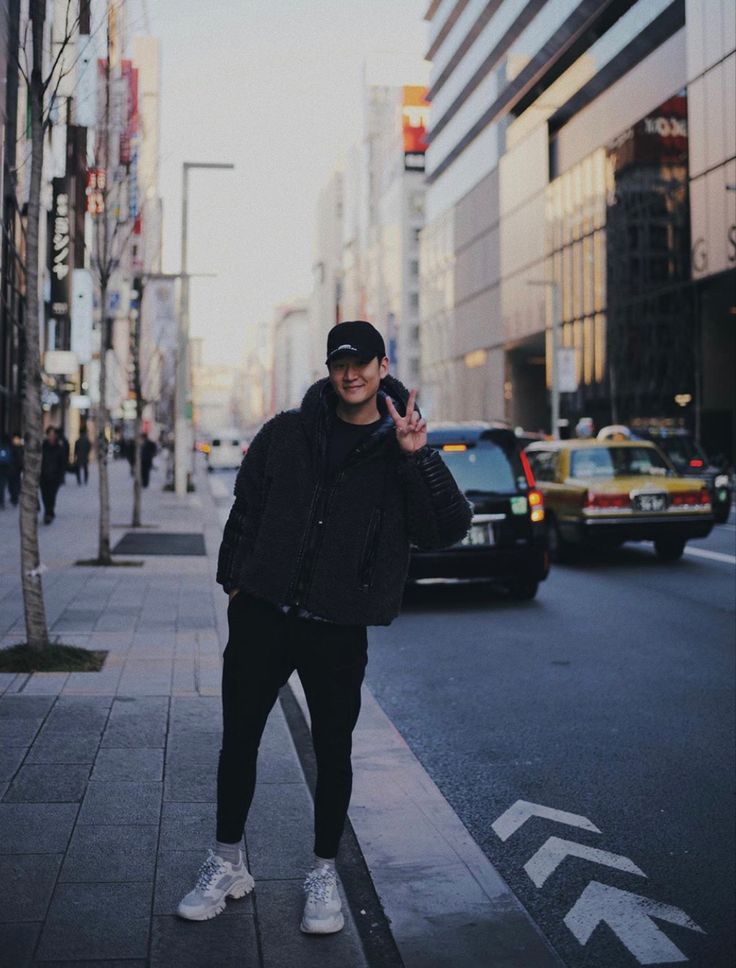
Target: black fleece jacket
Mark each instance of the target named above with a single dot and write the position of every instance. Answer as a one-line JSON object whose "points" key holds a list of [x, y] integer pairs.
{"points": [[337, 547]]}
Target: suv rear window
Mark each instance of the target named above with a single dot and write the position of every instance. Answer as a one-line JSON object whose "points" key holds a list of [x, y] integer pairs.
{"points": [[617, 462], [484, 467]]}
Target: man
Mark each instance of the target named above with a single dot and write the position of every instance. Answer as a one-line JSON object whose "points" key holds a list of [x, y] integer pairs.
{"points": [[316, 548], [53, 469], [6, 465], [148, 452], [82, 448]]}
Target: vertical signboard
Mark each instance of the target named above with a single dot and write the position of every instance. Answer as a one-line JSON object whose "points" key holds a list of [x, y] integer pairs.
{"points": [[414, 119], [82, 309], [60, 248]]}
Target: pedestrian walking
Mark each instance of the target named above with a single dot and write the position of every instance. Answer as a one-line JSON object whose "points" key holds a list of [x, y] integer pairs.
{"points": [[66, 447], [148, 452], [82, 448], [53, 469], [6, 462], [328, 499]]}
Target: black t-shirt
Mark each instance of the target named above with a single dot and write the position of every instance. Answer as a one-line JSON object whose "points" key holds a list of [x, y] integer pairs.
{"points": [[343, 438]]}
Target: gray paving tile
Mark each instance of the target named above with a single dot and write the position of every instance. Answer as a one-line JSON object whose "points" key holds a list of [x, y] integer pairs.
{"points": [[11, 758], [129, 764], [176, 873], [186, 944], [18, 944], [121, 802], [26, 884], [138, 721], [279, 831], [128, 963], [82, 714], [191, 785], [280, 905], [24, 707], [111, 854], [36, 828], [186, 826], [88, 921], [18, 732], [53, 747], [47, 783]]}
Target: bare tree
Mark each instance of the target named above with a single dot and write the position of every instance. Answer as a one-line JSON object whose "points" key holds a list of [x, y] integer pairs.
{"points": [[112, 234], [37, 634]]}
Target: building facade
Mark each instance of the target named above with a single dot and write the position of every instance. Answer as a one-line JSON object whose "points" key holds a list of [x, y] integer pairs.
{"points": [[560, 183], [292, 372]]}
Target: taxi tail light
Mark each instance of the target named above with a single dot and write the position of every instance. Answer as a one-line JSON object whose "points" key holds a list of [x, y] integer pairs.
{"points": [[594, 500], [689, 498], [697, 462], [536, 505]]}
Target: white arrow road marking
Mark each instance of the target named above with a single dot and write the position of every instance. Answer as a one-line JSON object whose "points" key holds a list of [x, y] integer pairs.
{"points": [[554, 850], [629, 916], [519, 812]]}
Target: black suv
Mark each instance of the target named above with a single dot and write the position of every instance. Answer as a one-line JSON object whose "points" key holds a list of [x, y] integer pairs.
{"points": [[507, 540], [690, 461]]}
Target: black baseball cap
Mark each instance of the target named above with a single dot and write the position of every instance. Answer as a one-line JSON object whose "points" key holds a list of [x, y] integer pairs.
{"points": [[355, 336]]}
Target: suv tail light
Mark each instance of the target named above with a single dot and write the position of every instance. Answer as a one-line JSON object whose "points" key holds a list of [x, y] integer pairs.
{"points": [[536, 505], [534, 497], [690, 498], [593, 500]]}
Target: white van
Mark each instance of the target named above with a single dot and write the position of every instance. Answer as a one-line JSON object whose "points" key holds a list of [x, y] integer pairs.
{"points": [[226, 451]]}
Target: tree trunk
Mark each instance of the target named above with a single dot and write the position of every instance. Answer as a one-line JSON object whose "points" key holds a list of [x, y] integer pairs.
{"points": [[137, 473], [103, 553], [37, 635]]}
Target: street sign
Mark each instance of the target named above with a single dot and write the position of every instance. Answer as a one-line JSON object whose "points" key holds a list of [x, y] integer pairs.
{"points": [[567, 359], [82, 310]]}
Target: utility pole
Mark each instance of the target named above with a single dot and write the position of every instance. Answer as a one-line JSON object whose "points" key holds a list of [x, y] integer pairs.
{"points": [[183, 420]]}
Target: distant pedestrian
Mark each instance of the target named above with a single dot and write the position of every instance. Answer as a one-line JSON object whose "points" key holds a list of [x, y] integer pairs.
{"points": [[66, 447], [53, 469], [148, 452], [6, 463], [82, 447], [316, 548], [16, 468]]}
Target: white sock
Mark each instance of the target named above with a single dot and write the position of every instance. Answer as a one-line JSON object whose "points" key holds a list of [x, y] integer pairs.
{"points": [[228, 852], [324, 862]]}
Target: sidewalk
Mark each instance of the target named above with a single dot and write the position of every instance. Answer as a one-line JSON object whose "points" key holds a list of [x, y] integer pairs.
{"points": [[107, 784], [107, 779]]}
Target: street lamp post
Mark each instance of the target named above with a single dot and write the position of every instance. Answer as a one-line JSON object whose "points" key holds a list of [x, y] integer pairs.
{"points": [[555, 286], [182, 428]]}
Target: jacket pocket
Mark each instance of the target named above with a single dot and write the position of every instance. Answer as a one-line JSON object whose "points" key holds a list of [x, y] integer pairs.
{"points": [[370, 549]]}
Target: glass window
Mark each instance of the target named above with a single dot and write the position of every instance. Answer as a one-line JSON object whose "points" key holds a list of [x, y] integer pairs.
{"points": [[603, 462], [542, 464], [483, 468]]}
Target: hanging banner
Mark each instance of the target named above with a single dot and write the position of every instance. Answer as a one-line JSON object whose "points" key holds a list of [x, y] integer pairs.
{"points": [[415, 117], [82, 313], [60, 248]]}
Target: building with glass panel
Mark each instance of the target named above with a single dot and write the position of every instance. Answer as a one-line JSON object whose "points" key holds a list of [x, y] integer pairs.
{"points": [[567, 169]]}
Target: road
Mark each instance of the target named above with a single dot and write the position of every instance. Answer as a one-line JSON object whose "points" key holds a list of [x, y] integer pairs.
{"points": [[609, 697]]}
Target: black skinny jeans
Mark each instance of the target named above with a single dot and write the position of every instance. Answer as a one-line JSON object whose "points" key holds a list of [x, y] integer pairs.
{"points": [[264, 647]]}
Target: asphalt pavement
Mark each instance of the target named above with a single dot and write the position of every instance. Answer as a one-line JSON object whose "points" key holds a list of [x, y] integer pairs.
{"points": [[586, 740]]}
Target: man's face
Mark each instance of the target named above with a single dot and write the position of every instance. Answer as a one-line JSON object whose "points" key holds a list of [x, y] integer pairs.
{"points": [[355, 381], [51, 436]]}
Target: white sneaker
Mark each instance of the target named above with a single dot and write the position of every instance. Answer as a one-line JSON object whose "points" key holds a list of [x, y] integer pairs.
{"points": [[217, 879], [322, 908]]}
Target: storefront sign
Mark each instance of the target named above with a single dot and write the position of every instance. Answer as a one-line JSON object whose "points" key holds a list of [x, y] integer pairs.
{"points": [[415, 117], [60, 244]]}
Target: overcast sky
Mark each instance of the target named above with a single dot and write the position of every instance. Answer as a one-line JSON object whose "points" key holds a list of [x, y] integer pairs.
{"points": [[275, 87]]}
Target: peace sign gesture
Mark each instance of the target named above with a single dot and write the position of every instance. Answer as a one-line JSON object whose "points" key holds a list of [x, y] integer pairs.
{"points": [[411, 430]]}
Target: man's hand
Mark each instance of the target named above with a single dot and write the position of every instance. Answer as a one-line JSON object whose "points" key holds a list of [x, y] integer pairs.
{"points": [[411, 430], [232, 593]]}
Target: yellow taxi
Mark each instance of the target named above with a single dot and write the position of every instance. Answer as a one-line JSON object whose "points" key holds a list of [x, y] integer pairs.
{"points": [[606, 492]]}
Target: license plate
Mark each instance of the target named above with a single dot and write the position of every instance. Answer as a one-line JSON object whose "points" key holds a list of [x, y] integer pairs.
{"points": [[650, 502], [480, 534]]}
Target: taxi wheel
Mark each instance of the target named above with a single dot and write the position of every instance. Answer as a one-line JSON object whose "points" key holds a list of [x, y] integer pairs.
{"points": [[669, 549], [559, 549]]}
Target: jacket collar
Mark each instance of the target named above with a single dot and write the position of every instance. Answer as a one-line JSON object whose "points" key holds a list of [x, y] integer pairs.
{"points": [[320, 401]]}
